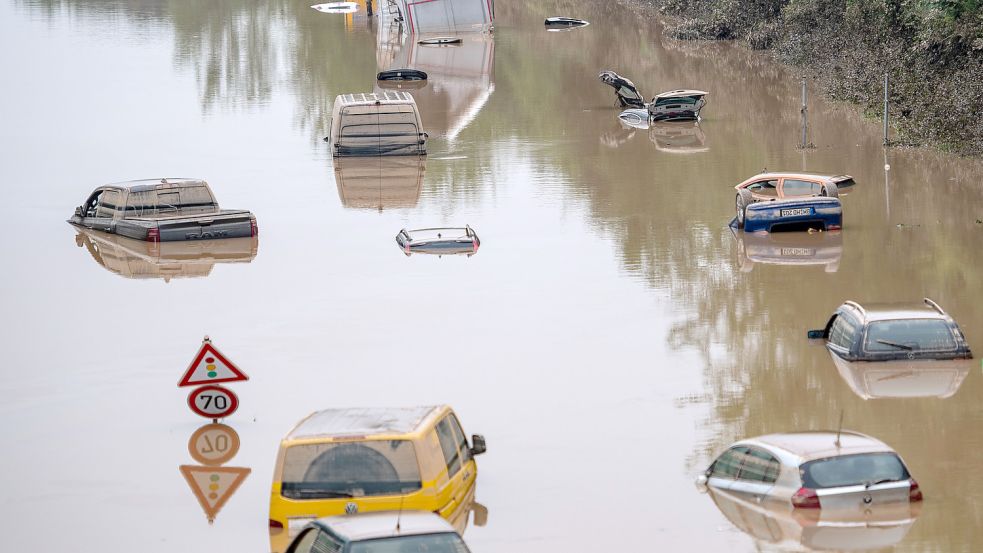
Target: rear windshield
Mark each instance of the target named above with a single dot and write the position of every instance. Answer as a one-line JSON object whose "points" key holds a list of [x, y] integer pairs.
{"points": [[350, 469], [430, 543], [909, 335], [187, 200], [851, 470]]}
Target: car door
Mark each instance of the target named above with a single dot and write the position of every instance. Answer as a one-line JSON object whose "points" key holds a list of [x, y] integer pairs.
{"points": [[106, 208], [759, 470], [450, 493]]}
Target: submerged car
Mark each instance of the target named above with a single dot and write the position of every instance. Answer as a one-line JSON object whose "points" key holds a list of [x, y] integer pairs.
{"points": [[564, 23], [812, 470], [677, 105], [439, 241], [789, 248], [401, 75], [140, 259], [376, 124], [891, 332], [162, 210], [382, 532], [777, 527], [790, 201], [340, 461]]}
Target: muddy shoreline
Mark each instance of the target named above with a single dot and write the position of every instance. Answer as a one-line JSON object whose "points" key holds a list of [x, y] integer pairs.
{"points": [[933, 57]]}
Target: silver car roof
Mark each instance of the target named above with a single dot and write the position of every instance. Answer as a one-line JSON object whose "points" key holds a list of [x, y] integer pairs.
{"points": [[382, 524], [796, 448], [927, 309], [364, 421]]}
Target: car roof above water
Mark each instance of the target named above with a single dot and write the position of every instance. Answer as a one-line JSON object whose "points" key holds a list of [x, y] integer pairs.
{"points": [[151, 184], [926, 309], [382, 524], [807, 446], [362, 422], [372, 98]]}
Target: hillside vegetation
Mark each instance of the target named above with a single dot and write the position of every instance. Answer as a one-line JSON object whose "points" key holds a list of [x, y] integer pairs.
{"points": [[931, 49]]}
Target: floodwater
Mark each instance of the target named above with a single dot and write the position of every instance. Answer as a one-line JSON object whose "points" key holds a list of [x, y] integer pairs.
{"points": [[609, 338]]}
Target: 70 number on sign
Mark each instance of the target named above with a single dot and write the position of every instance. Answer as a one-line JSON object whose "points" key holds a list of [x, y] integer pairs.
{"points": [[213, 402]]}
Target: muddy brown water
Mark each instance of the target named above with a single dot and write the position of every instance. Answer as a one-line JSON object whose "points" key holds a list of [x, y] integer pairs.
{"points": [[610, 336]]}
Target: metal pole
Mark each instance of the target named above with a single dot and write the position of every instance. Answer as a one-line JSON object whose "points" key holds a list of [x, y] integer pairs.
{"points": [[885, 109], [805, 122]]}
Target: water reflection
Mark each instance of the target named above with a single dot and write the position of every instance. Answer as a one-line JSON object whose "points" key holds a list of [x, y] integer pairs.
{"points": [[901, 379], [212, 484], [788, 248], [460, 82], [165, 260], [683, 137], [379, 182], [772, 524]]}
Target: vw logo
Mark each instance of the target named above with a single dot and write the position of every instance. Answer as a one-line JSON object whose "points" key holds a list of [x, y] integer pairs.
{"points": [[867, 499], [351, 508]]}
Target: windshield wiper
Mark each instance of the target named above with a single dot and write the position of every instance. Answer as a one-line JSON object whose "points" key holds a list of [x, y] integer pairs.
{"points": [[314, 492], [895, 344], [881, 481]]}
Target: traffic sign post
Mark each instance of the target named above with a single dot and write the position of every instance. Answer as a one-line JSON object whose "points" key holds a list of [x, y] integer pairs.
{"points": [[210, 367]]}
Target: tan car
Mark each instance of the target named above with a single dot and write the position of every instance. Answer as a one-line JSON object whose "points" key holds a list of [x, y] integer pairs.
{"points": [[789, 188]]}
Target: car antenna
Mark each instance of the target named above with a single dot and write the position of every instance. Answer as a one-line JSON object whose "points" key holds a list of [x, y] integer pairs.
{"points": [[399, 515], [839, 429]]}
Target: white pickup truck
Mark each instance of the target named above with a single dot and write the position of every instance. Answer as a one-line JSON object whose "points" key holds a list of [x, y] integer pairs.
{"points": [[162, 210]]}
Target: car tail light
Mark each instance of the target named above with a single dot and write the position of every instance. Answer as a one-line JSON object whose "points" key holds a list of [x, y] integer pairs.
{"points": [[276, 524], [834, 227], [914, 492], [474, 244], [253, 227], [153, 235], [805, 498]]}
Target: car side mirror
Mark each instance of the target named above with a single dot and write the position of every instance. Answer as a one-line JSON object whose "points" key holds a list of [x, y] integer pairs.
{"points": [[816, 334], [702, 480], [478, 444]]}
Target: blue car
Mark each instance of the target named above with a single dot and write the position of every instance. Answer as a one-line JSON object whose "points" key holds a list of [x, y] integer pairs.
{"points": [[791, 201], [801, 214]]}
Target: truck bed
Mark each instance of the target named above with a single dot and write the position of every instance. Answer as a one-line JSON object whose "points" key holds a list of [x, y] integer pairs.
{"points": [[225, 223]]}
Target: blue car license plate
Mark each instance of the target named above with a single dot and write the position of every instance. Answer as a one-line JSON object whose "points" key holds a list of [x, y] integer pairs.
{"points": [[796, 212]]}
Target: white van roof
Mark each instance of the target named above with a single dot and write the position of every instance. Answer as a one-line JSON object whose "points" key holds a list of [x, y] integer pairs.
{"points": [[372, 98], [367, 421]]}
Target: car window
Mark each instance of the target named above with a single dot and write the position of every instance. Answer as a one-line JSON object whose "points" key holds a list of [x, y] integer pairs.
{"points": [[728, 465], [851, 470], [449, 446], [462, 441], [303, 542], [196, 199], [765, 188], [795, 187], [325, 544], [350, 469], [842, 332], [759, 466], [445, 542], [909, 335], [108, 203]]}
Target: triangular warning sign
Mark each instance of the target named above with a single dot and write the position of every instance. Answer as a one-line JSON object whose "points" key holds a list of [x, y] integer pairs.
{"points": [[210, 367], [213, 486]]}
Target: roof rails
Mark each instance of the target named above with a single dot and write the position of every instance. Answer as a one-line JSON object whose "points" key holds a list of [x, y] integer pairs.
{"points": [[856, 306], [933, 305]]}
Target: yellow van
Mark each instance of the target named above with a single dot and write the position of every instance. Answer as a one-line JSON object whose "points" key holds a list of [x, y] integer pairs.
{"points": [[340, 461]]}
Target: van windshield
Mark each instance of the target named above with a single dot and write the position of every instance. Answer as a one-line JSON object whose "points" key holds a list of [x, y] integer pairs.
{"points": [[350, 469], [852, 470]]}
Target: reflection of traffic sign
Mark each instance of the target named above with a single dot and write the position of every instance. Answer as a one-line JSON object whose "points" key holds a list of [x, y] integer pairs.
{"points": [[210, 367], [213, 402], [213, 486], [214, 444]]}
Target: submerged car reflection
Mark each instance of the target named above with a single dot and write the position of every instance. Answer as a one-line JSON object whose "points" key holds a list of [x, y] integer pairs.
{"points": [[789, 248], [166, 260], [379, 182], [818, 530], [341, 461], [836, 471], [382, 532], [903, 378], [682, 137]]}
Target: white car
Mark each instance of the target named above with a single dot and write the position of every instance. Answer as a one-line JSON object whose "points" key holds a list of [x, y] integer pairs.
{"points": [[811, 470], [379, 532]]}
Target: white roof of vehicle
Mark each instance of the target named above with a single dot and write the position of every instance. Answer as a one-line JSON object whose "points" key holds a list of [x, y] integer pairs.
{"points": [[371, 98], [681, 92], [889, 311], [151, 183], [363, 421], [806, 446], [382, 524]]}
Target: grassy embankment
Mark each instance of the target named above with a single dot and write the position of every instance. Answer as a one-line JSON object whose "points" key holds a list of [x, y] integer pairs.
{"points": [[932, 50]]}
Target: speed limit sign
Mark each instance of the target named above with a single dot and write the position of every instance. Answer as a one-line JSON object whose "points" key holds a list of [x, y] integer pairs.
{"points": [[214, 444], [213, 402]]}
